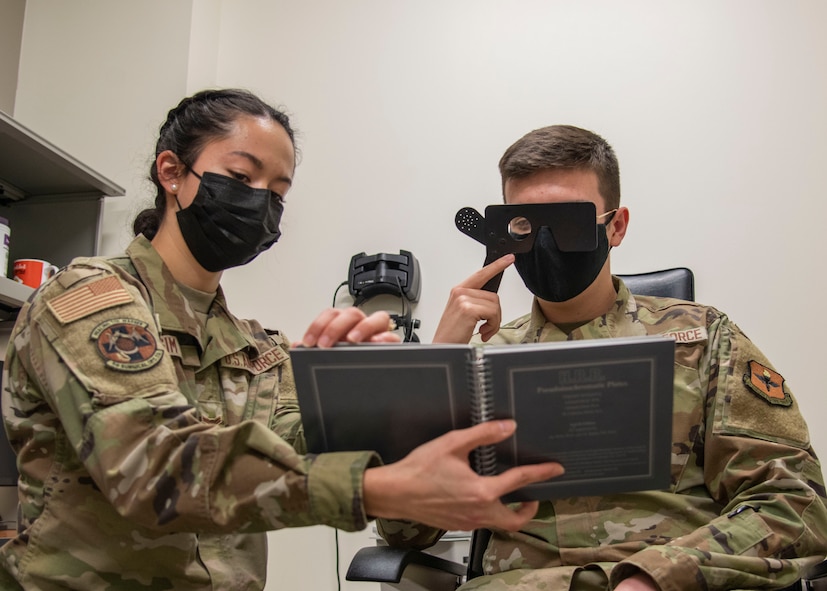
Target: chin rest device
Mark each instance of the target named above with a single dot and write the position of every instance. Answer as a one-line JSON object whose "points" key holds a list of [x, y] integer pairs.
{"points": [[512, 228], [383, 273], [389, 274]]}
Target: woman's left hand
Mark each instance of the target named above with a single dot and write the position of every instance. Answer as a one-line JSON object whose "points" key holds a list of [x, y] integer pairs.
{"points": [[350, 325]]}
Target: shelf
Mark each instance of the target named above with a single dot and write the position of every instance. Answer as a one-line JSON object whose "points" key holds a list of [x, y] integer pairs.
{"points": [[53, 203], [31, 167], [13, 294]]}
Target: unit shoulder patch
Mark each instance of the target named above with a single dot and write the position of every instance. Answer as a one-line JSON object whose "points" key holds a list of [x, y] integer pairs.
{"points": [[126, 345], [767, 384]]}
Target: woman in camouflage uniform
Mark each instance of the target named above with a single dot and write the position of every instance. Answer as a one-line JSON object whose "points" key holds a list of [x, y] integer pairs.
{"points": [[157, 434]]}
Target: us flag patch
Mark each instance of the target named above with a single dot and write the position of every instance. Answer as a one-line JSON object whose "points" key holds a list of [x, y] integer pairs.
{"points": [[88, 299]]}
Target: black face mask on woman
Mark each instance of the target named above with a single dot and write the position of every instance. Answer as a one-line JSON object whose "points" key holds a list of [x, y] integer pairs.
{"points": [[229, 223], [557, 276]]}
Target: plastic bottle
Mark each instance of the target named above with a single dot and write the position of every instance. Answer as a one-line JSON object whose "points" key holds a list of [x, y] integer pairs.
{"points": [[5, 233]]}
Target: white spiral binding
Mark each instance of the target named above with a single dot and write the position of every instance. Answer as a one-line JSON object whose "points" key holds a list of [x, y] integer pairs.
{"points": [[482, 403]]}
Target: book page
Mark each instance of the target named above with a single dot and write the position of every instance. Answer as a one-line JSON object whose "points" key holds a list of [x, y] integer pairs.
{"points": [[603, 410], [386, 398]]}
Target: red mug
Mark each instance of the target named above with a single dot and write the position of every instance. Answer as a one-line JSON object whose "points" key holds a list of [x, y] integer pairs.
{"points": [[33, 272]]}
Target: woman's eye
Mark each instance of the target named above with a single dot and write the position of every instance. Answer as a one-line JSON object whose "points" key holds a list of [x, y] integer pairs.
{"points": [[240, 176], [276, 197]]}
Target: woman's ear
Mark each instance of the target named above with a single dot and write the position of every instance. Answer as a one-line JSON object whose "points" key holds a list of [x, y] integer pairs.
{"points": [[170, 170], [616, 229]]}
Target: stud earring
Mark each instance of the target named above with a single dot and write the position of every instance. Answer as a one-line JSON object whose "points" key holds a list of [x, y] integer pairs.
{"points": [[174, 187]]}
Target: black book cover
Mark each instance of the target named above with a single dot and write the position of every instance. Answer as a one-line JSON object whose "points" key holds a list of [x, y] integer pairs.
{"points": [[602, 408]]}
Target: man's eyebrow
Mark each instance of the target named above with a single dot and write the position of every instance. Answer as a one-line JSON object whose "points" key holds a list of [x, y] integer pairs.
{"points": [[259, 164]]}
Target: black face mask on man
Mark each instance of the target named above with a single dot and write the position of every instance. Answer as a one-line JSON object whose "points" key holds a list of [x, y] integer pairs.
{"points": [[557, 276], [229, 223]]}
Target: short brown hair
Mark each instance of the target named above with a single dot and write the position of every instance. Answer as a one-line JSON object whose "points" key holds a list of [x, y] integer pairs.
{"points": [[564, 146]]}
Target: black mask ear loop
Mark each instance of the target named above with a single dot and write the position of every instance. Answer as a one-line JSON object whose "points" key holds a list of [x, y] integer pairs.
{"points": [[611, 215], [198, 176]]}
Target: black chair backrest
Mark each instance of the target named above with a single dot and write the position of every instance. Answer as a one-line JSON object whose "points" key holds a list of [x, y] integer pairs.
{"points": [[673, 283]]}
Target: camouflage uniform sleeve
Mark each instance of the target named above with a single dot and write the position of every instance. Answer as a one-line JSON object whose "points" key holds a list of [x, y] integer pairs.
{"points": [[287, 422], [142, 442], [408, 534], [760, 469]]}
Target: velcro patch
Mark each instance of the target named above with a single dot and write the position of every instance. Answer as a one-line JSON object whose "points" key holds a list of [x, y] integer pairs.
{"points": [[767, 383], [88, 299], [126, 345], [263, 362]]}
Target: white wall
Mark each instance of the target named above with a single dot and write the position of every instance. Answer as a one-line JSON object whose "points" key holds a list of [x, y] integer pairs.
{"points": [[11, 29], [96, 79], [716, 110]]}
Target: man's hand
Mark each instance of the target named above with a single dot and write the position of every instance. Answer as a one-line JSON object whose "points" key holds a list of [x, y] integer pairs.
{"points": [[468, 304], [350, 325], [435, 485]]}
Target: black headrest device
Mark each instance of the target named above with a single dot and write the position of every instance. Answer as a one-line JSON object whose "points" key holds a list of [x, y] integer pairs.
{"points": [[384, 273]]}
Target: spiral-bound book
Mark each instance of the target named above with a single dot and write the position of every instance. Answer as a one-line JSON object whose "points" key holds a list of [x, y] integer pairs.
{"points": [[602, 408]]}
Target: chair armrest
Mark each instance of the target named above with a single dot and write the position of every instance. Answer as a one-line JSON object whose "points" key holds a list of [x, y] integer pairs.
{"points": [[387, 565], [816, 579]]}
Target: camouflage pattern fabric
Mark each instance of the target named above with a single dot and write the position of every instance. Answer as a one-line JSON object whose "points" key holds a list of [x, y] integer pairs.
{"points": [[153, 448], [746, 507]]}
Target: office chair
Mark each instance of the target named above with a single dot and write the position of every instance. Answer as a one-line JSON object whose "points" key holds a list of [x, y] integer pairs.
{"points": [[414, 569], [672, 283]]}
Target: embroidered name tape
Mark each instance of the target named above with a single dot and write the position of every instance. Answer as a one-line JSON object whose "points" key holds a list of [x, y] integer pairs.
{"points": [[263, 362], [88, 299], [171, 345], [690, 335]]}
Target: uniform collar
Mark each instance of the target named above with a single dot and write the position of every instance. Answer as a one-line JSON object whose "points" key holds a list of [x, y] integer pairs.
{"points": [[223, 333], [620, 320]]}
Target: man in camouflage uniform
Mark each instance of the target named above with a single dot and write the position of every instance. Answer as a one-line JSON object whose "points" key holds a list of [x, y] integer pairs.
{"points": [[118, 343], [746, 505]]}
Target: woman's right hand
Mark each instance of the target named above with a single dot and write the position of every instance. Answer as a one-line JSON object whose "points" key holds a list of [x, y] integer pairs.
{"points": [[436, 486]]}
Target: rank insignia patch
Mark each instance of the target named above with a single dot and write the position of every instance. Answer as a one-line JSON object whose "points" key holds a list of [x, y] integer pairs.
{"points": [[126, 345], [767, 384]]}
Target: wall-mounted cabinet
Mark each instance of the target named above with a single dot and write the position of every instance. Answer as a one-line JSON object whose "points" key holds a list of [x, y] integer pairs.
{"points": [[52, 201]]}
